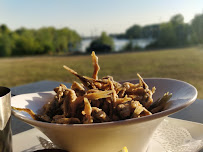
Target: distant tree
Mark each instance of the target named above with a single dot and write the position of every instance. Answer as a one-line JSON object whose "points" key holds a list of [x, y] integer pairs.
{"points": [[66, 39], [151, 31], [60, 42], [72, 37], [105, 39], [173, 33], [21, 30], [134, 32], [25, 43], [181, 29], [4, 29], [44, 37], [197, 28], [102, 44], [5, 41], [5, 45], [177, 19], [167, 36]]}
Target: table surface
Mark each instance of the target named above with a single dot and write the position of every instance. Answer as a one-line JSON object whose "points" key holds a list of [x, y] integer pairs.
{"points": [[192, 113]]}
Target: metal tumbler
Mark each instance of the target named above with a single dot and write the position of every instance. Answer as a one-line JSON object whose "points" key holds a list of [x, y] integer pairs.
{"points": [[5, 120]]}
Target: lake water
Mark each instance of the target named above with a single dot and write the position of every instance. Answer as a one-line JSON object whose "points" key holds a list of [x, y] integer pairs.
{"points": [[119, 43]]}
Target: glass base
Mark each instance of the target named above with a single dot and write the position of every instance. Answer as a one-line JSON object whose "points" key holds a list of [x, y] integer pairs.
{"points": [[6, 138]]}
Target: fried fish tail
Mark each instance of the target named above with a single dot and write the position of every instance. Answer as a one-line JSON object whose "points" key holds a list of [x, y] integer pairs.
{"points": [[96, 65], [29, 111], [85, 81], [99, 95]]}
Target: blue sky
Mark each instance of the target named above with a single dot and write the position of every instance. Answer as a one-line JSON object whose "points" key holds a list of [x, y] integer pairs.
{"points": [[90, 17]]}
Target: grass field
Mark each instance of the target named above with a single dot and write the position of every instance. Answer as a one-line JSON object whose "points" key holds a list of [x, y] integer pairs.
{"points": [[183, 64]]}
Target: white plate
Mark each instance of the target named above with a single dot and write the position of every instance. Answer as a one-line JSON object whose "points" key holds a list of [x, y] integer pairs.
{"points": [[27, 141]]}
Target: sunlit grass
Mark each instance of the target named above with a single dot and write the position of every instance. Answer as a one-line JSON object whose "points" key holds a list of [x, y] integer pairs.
{"points": [[183, 64]]}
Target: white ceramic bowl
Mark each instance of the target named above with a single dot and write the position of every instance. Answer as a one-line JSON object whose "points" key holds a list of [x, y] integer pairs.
{"points": [[110, 136]]}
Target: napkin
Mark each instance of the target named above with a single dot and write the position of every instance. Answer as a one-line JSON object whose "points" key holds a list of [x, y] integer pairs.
{"points": [[174, 138]]}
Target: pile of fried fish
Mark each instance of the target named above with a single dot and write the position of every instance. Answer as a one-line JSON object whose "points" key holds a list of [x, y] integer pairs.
{"points": [[97, 100]]}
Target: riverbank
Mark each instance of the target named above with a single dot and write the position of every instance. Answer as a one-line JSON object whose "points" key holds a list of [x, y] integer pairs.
{"points": [[118, 43]]}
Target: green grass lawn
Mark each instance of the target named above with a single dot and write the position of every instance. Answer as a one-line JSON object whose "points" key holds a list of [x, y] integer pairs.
{"points": [[184, 64]]}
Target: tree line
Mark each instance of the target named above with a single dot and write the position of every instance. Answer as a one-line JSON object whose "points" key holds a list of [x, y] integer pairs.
{"points": [[174, 33], [46, 40]]}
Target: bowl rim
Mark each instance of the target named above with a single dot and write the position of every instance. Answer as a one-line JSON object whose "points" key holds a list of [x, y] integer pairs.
{"points": [[115, 123]]}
